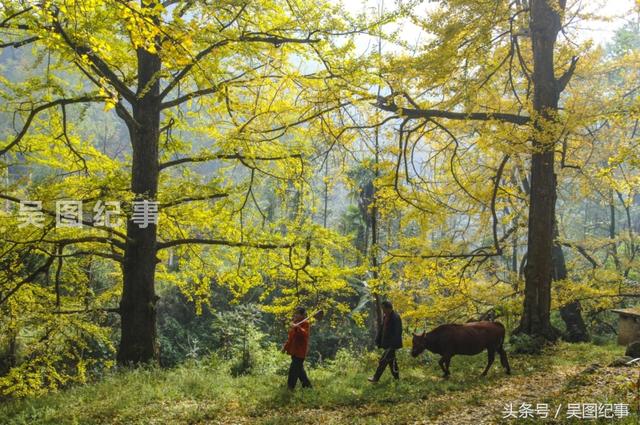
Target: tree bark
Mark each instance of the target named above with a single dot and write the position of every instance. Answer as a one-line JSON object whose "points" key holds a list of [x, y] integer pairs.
{"points": [[138, 304], [570, 313], [514, 249], [545, 23], [374, 261], [612, 231]]}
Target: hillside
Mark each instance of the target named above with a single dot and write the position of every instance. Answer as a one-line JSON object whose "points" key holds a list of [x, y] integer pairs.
{"points": [[204, 392]]}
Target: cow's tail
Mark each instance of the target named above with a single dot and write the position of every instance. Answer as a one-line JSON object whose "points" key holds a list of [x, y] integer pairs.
{"points": [[503, 354], [504, 332]]}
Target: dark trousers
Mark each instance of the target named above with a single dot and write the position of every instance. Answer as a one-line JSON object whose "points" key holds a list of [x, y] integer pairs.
{"points": [[388, 359], [296, 371]]}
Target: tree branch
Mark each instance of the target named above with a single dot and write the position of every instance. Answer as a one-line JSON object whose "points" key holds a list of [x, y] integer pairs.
{"points": [[192, 199], [582, 252], [107, 255], [35, 111], [19, 43], [4, 23], [214, 157], [98, 64], [494, 195], [180, 100], [203, 241], [435, 113], [247, 38], [42, 269], [185, 71], [91, 310], [561, 83]]}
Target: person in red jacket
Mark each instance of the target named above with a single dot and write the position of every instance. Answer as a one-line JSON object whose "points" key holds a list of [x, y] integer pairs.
{"points": [[297, 346]]}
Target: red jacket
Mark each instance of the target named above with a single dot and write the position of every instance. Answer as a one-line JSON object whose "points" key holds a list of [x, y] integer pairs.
{"points": [[298, 340]]}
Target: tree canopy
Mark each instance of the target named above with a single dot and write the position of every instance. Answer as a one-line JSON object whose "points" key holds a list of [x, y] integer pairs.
{"points": [[283, 152]]}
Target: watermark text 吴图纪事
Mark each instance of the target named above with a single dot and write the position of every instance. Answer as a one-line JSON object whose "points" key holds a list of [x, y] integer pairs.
{"points": [[70, 213]]}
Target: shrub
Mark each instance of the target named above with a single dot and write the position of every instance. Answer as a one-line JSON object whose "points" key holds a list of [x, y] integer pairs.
{"points": [[525, 344]]}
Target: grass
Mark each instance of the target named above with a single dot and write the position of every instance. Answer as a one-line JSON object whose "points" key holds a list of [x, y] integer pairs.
{"points": [[205, 393]]}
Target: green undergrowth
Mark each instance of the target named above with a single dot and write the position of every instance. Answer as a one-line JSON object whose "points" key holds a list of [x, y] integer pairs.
{"points": [[205, 391]]}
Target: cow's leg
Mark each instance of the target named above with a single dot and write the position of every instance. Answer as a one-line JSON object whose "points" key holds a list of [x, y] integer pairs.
{"points": [[447, 361], [444, 370], [503, 360], [491, 356]]}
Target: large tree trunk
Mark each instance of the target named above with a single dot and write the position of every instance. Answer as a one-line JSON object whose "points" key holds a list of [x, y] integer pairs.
{"points": [[138, 303], [539, 269], [570, 313], [544, 25], [576, 328]]}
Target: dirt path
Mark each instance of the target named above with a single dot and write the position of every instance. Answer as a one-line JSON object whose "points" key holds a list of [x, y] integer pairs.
{"points": [[484, 404], [490, 403], [555, 388]]}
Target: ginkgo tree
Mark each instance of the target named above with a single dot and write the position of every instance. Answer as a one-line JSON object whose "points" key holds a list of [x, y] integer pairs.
{"points": [[483, 109], [600, 163], [223, 86]]}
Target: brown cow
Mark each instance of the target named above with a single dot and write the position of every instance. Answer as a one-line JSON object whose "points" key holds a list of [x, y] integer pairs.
{"points": [[468, 339]]}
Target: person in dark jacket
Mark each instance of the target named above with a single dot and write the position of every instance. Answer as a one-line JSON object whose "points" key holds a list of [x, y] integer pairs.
{"points": [[297, 346], [390, 338]]}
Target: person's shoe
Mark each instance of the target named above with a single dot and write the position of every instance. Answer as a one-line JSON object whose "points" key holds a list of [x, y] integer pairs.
{"points": [[372, 380]]}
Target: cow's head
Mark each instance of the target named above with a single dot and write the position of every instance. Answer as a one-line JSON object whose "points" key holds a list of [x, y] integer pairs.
{"points": [[419, 343]]}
